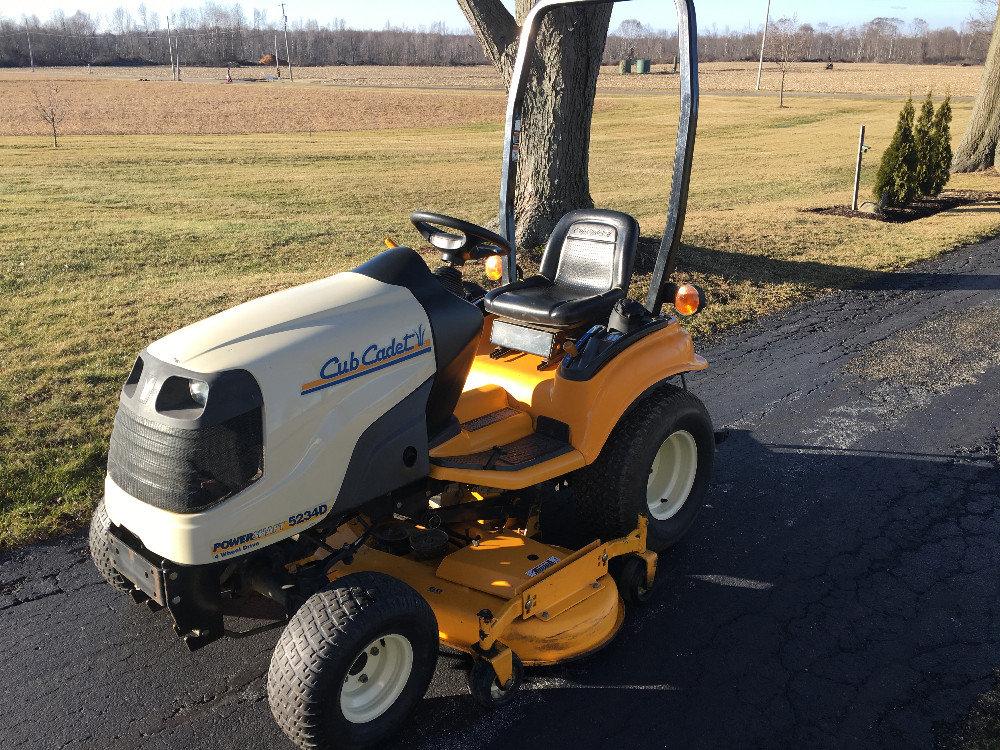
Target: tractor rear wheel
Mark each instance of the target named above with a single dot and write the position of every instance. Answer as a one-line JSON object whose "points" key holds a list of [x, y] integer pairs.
{"points": [[656, 463], [352, 663]]}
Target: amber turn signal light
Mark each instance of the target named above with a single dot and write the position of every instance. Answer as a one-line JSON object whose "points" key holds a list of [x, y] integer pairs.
{"points": [[390, 243], [689, 300], [494, 267]]}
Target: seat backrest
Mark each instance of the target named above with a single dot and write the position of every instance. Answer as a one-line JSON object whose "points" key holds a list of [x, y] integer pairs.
{"points": [[592, 251]]}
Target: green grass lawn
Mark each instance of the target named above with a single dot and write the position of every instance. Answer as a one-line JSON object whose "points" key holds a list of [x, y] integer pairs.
{"points": [[110, 242]]}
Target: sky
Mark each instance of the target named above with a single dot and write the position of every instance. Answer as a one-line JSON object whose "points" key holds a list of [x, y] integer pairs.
{"points": [[655, 13]]}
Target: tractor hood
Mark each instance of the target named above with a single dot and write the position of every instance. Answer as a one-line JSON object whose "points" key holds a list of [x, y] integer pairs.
{"points": [[256, 330], [300, 341]]}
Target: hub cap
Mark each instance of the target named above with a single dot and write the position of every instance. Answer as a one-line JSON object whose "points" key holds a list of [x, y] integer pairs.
{"points": [[672, 475], [376, 678]]}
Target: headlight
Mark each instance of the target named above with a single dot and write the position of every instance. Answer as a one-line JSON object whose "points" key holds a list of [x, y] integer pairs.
{"points": [[199, 392]]}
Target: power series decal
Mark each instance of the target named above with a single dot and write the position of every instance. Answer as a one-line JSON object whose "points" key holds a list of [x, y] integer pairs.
{"points": [[246, 542], [373, 358]]}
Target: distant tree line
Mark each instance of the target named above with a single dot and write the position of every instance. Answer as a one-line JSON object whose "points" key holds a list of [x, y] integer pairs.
{"points": [[881, 40], [218, 35]]}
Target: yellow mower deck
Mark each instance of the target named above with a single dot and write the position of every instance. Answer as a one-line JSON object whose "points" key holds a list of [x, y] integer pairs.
{"points": [[511, 593]]}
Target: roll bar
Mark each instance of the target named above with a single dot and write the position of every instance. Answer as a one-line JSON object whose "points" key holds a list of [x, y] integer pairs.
{"points": [[687, 35]]}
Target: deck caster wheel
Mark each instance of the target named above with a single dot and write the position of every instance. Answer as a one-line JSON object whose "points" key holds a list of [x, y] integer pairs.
{"points": [[353, 663], [630, 576], [486, 688]]}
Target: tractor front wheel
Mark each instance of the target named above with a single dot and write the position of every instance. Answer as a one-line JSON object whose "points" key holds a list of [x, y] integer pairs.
{"points": [[352, 663], [100, 549], [657, 463]]}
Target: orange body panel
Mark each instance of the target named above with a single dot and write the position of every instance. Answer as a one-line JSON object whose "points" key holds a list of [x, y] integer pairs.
{"points": [[476, 402], [502, 433], [591, 408], [513, 480]]}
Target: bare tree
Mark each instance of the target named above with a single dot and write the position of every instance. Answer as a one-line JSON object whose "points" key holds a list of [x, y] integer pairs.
{"points": [[785, 42], [628, 35], [885, 34], [51, 111], [921, 33], [978, 151], [979, 28], [553, 169]]}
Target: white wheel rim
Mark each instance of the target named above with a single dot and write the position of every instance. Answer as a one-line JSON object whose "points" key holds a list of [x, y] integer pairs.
{"points": [[376, 678], [672, 475]]}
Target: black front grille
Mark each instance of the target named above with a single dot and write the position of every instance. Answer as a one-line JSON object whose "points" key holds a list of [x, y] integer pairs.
{"points": [[185, 471]]}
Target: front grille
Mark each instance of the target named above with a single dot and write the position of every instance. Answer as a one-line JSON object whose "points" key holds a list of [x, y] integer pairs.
{"points": [[185, 471]]}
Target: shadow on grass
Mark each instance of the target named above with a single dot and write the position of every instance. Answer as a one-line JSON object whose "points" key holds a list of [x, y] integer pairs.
{"points": [[757, 269]]}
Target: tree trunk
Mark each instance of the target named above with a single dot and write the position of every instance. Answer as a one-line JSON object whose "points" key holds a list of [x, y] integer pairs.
{"points": [[553, 167], [978, 151]]}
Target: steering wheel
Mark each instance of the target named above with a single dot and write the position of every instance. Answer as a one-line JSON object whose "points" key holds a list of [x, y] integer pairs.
{"points": [[472, 242]]}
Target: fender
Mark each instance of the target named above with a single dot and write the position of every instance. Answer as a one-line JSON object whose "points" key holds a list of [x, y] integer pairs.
{"points": [[593, 408], [590, 408]]}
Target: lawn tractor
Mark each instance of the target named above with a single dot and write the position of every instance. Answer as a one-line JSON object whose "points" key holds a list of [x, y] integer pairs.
{"points": [[396, 460]]}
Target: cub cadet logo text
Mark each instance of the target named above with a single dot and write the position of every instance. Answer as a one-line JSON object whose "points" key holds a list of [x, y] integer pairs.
{"points": [[337, 370], [247, 542], [593, 232]]}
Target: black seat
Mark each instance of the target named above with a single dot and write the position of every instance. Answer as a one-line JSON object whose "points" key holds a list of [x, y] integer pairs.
{"points": [[586, 269]]}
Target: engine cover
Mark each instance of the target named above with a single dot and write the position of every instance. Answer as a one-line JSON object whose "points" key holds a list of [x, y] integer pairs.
{"points": [[315, 403]]}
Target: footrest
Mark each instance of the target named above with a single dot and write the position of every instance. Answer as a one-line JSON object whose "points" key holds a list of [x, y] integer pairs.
{"points": [[521, 454], [488, 420]]}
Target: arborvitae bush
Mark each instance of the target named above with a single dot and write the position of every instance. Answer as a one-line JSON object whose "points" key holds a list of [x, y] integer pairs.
{"points": [[925, 140], [896, 181], [918, 161], [941, 156]]}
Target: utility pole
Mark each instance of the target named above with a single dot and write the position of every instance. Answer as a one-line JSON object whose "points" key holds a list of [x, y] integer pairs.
{"points": [[857, 171], [763, 43], [31, 55], [288, 56], [170, 47]]}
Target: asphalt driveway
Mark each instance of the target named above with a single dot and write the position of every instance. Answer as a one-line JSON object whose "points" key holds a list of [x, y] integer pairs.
{"points": [[840, 589]]}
